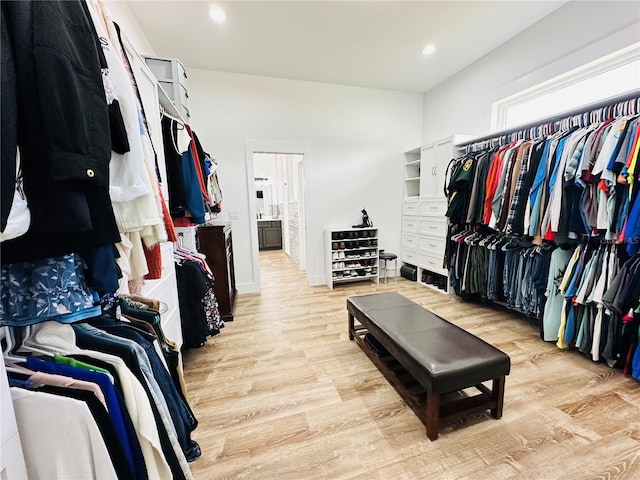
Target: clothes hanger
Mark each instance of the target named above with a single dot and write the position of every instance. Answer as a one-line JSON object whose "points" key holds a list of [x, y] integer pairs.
{"points": [[164, 113], [14, 344], [31, 348], [9, 342], [15, 368], [462, 235]]}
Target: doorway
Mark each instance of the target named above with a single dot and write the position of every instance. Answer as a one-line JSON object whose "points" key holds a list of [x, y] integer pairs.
{"points": [[276, 186], [278, 202]]}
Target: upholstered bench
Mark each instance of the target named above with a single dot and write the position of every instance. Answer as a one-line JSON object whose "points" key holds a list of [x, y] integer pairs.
{"points": [[432, 363]]}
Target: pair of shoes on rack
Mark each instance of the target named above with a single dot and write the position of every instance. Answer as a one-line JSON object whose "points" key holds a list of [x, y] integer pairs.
{"points": [[428, 278]]}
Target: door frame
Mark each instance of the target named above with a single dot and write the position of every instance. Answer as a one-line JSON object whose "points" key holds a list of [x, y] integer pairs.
{"points": [[274, 146]]}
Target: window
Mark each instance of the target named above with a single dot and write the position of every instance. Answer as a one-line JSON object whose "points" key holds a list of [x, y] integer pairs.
{"points": [[615, 74]]}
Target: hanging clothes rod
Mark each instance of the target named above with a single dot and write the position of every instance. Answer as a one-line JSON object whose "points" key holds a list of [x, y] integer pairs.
{"points": [[564, 116]]}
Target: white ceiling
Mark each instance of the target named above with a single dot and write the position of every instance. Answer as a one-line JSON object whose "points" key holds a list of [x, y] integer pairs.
{"points": [[375, 44]]}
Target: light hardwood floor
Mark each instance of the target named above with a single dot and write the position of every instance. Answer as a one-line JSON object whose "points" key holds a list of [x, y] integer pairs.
{"points": [[282, 393]]}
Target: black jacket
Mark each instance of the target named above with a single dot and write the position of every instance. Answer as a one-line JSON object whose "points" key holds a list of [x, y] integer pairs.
{"points": [[62, 124]]}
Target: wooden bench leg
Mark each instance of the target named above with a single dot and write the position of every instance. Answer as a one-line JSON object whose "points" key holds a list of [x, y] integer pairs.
{"points": [[497, 393], [351, 326], [432, 417]]}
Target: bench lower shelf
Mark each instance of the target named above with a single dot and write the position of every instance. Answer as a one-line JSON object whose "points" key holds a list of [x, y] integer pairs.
{"points": [[434, 410]]}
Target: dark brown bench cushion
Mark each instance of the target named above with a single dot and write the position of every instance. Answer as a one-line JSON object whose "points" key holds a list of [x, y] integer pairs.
{"points": [[440, 355]]}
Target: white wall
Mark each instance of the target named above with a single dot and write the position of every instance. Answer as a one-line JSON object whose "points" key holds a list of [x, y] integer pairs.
{"points": [[123, 16], [575, 34], [357, 137]]}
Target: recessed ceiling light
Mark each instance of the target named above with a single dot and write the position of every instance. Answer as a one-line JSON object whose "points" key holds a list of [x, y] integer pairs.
{"points": [[217, 14], [428, 50]]}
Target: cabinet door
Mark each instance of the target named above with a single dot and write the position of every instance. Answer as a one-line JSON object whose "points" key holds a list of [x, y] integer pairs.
{"points": [[427, 171], [442, 157], [272, 237]]}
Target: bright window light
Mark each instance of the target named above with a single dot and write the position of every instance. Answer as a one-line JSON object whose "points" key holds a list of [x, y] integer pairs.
{"points": [[613, 75]]}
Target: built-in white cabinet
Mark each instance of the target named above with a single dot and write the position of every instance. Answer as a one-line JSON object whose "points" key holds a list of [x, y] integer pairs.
{"points": [[351, 255], [424, 225], [434, 160]]}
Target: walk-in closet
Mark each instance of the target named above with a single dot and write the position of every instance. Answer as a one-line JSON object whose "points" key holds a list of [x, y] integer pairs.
{"points": [[319, 240]]}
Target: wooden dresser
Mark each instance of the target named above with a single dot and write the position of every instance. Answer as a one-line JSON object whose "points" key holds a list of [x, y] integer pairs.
{"points": [[216, 242]]}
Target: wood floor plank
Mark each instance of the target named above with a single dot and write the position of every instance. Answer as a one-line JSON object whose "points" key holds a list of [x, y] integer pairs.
{"points": [[281, 393]]}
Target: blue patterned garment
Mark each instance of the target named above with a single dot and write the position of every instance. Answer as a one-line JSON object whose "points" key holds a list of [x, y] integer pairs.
{"points": [[49, 289]]}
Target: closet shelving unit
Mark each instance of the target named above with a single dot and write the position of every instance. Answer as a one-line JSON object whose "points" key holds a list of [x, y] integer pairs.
{"points": [[172, 80], [424, 225], [351, 255], [412, 173]]}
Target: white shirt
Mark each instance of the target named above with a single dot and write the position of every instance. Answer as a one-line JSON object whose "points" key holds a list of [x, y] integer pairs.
{"points": [[60, 438]]}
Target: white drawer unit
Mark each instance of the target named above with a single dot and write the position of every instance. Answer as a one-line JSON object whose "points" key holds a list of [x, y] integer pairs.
{"points": [[410, 207], [410, 256], [432, 245], [435, 226], [410, 223], [435, 207], [431, 263], [410, 240]]}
